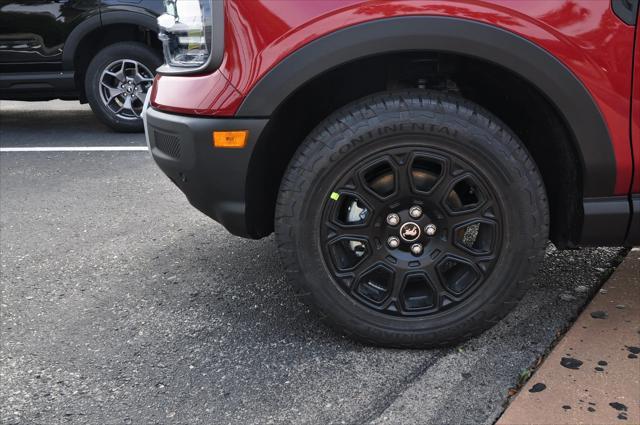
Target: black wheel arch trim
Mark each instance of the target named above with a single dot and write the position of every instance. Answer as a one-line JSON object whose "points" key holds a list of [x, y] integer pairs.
{"points": [[130, 16], [460, 36]]}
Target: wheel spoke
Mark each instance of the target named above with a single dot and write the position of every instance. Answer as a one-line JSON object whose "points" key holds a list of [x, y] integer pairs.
{"points": [[402, 174], [138, 79], [374, 281], [126, 105], [438, 286], [356, 186], [113, 92], [380, 181], [354, 232], [441, 190], [105, 83], [134, 111], [371, 259], [481, 212], [469, 258], [131, 64], [141, 96], [398, 280], [118, 75]]}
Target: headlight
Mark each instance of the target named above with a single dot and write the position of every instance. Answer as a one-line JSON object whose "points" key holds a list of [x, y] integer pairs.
{"points": [[186, 30]]}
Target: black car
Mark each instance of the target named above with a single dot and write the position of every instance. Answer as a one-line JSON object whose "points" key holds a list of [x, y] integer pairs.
{"points": [[103, 52]]}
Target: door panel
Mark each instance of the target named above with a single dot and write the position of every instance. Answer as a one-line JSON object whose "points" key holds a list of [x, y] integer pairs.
{"points": [[34, 31]]}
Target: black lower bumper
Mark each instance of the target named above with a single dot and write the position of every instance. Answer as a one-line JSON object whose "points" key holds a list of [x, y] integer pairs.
{"points": [[213, 179]]}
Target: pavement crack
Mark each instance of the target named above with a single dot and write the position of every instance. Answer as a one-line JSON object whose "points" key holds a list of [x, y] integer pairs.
{"points": [[404, 385]]}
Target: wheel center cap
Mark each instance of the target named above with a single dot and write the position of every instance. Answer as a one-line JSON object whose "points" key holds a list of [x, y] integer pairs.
{"points": [[410, 231]]}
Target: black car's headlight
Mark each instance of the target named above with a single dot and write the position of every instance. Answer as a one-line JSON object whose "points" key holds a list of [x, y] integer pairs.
{"points": [[186, 32]]}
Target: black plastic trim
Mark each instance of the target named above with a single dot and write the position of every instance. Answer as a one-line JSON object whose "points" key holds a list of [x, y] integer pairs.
{"points": [[51, 81], [213, 179], [135, 16], [139, 17], [217, 43], [605, 221], [626, 10], [75, 37], [633, 236], [459, 36]]}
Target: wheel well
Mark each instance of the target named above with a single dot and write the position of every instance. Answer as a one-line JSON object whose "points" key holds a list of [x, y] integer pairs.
{"points": [[521, 106], [104, 36]]}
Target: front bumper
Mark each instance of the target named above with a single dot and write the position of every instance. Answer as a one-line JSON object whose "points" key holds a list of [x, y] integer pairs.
{"points": [[213, 179]]}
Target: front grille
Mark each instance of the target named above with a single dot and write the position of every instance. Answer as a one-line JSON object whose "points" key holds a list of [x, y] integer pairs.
{"points": [[168, 144]]}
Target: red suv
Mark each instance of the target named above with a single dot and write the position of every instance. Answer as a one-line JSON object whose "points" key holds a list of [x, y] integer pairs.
{"points": [[413, 157]]}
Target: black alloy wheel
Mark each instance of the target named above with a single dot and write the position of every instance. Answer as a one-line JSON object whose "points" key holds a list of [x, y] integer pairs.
{"points": [[411, 219], [406, 234]]}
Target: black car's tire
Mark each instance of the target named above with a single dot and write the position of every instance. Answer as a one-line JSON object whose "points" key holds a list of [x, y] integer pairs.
{"points": [[103, 80], [453, 158]]}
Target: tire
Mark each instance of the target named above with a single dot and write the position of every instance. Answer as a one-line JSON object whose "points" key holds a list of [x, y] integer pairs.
{"points": [[477, 187], [109, 59]]}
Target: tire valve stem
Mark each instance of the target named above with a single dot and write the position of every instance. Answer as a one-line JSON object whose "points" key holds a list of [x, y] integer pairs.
{"points": [[393, 219], [393, 242], [430, 229], [416, 249]]}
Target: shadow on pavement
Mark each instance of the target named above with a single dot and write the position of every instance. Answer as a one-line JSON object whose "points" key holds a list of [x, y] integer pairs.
{"points": [[75, 126]]}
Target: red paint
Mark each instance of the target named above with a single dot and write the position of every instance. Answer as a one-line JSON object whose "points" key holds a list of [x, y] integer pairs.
{"points": [[584, 35], [202, 95]]}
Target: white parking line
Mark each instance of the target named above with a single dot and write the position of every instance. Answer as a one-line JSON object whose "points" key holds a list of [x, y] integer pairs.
{"points": [[76, 149]]}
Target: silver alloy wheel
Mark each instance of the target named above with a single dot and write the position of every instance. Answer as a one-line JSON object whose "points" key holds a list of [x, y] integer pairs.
{"points": [[123, 87]]}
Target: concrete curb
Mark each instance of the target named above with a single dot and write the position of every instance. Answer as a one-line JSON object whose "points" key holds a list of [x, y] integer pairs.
{"points": [[592, 376]]}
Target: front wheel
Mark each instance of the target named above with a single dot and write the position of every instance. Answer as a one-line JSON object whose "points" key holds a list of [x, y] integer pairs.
{"points": [[117, 82], [412, 219]]}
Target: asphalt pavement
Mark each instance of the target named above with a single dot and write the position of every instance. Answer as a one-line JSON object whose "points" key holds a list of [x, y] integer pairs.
{"points": [[121, 304]]}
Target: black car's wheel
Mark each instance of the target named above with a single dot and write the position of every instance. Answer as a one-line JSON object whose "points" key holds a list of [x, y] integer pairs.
{"points": [[412, 219], [117, 81]]}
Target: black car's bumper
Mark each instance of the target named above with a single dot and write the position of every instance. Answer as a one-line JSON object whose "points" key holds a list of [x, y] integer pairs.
{"points": [[213, 179]]}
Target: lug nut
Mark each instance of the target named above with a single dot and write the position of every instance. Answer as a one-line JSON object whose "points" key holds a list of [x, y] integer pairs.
{"points": [[393, 242], [415, 212], [416, 249], [393, 219], [430, 229]]}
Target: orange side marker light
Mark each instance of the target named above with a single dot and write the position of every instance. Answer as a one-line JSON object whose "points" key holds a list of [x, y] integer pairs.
{"points": [[230, 139]]}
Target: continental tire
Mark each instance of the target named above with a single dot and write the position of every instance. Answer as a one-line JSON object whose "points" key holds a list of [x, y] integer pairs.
{"points": [[411, 219]]}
